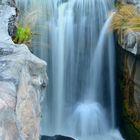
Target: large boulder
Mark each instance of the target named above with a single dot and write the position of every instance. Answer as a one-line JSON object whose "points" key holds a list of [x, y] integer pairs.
{"points": [[23, 80], [131, 43]]}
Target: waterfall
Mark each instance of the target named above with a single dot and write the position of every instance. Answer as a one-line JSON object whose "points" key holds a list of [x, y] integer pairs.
{"points": [[75, 41]]}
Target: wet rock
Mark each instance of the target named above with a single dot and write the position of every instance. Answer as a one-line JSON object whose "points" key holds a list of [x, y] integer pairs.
{"points": [[6, 12], [57, 137], [11, 26], [132, 42]]}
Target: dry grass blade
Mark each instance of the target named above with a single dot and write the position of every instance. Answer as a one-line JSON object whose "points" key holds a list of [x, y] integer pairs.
{"points": [[126, 18]]}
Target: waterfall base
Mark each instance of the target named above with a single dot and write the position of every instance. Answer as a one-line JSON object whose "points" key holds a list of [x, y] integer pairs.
{"points": [[89, 119]]}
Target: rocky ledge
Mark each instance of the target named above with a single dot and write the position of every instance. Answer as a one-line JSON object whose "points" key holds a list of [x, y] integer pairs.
{"points": [[23, 80]]}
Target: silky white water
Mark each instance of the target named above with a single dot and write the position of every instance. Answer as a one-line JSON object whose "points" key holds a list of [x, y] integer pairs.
{"points": [[75, 41]]}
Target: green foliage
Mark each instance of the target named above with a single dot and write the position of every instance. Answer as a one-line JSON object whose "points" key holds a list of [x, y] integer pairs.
{"points": [[24, 28], [23, 35]]}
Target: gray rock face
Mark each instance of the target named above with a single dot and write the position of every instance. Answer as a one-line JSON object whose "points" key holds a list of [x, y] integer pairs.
{"points": [[22, 80], [131, 43], [22, 84], [130, 1], [12, 18], [6, 12], [133, 1], [8, 2]]}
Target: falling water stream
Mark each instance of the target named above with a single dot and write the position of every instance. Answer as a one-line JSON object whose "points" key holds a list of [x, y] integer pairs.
{"points": [[79, 49]]}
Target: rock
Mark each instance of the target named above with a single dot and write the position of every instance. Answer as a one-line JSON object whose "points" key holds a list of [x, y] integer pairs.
{"points": [[12, 15], [130, 1], [129, 80], [8, 2], [6, 12], [31, 85], [11, 26], [133, 65], [57, 137], [137, 89], [23, 80], [132, 42], [133, 1]]}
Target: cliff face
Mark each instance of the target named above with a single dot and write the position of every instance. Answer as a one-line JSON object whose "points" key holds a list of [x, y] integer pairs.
{"points": [[23, 80], [129, 84]]}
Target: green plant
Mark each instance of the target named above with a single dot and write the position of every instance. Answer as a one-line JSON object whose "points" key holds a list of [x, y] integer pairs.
{"points": [[24, 28], [23, 35]]}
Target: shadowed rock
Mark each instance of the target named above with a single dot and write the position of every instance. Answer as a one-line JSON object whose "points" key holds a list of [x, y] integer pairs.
{"points": [[57, 137]]}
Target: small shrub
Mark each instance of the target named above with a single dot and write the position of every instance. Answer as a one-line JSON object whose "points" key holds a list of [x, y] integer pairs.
{"points": [[24, 28], [23, 35]]}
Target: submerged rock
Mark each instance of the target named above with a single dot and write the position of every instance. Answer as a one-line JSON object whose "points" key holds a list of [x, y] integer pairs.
{"points": [[57, 137], [23, 80]]}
